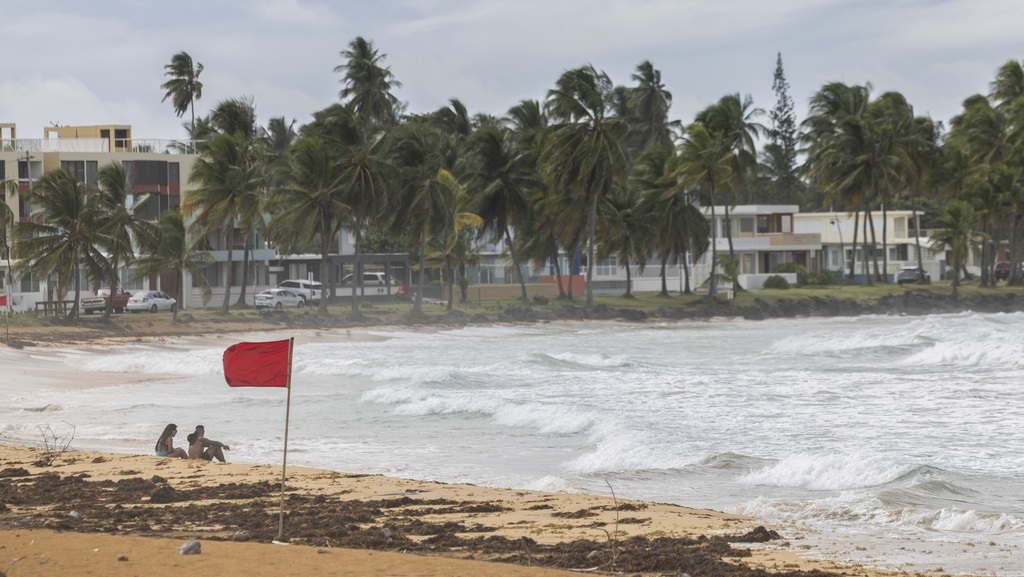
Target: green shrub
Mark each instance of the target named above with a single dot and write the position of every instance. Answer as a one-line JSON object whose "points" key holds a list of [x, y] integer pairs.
{"points": [[822, 278], [776, 282], [800, 270]]}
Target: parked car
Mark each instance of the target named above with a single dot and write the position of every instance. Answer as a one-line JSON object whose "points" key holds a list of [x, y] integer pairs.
{"points": [[1002, 270], [152, 301], [909, 274], [98, 303], [279, 298], [310, 291], [369, 279]]}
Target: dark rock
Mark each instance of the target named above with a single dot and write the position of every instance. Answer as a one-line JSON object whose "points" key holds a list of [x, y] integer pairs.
{"points": [[163, 494], [540, 299], [14, 472]]}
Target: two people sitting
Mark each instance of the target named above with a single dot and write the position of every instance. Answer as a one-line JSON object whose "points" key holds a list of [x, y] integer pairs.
{"points": [[199, 447]]}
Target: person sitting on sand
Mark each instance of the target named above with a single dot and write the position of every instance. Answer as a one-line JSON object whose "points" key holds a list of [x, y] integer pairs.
{"points": [[165, 444], [199, 447]]}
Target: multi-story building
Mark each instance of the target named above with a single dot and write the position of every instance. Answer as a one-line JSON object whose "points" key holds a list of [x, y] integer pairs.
{"points": [[158, 168]]}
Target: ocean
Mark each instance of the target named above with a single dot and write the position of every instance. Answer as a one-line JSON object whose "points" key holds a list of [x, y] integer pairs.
{"points": [[889, 441]]}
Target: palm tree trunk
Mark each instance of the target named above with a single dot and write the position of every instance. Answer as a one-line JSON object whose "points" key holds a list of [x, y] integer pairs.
{"points": [[686, 277], [115, 277], [591, 227], [874, 243], [664, 280], [917, 239], [515, 263], [558, 274], [418, 303], [885, 243], [713, 289], [732, 253], [629, 281], [73, 314], [178, 286], [229, 274], [451, 281], [245, 270], [357, 274], [853, 245]]}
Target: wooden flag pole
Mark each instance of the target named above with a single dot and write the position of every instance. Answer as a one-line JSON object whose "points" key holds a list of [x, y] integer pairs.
{"points": [[284, 462]]}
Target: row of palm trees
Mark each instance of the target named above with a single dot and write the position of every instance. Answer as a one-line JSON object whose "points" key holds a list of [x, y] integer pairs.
{"points": [[595, 169]]}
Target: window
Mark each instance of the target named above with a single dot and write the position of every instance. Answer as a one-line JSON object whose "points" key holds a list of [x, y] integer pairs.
{"points": [[3, 279], [22, 170], [762, 224], [127, 283], [3, 170], [607, 266], [899, 227], [746, 226], [30, 283], [787, 224]]}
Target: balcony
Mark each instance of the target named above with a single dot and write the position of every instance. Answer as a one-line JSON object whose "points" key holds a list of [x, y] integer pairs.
{"points": [[98, 145]]}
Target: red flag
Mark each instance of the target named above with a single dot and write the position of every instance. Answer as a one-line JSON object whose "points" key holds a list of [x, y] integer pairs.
{"points": [[257, 364]]}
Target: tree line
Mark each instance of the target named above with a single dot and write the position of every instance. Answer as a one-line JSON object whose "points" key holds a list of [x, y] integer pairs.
{"points": [[594, 169]]}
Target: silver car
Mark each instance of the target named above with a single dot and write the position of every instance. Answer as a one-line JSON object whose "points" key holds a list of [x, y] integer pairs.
{"points": [[152, 301], [278, 298], [909, 274]]}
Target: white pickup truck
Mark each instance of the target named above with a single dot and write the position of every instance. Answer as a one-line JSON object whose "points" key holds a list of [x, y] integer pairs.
{"points": [[311, 291]]}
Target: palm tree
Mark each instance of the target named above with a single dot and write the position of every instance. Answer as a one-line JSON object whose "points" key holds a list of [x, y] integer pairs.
{"points": [[118, 223], [307, 210], [368, 84], [732, 119], [583, 155], [226, 185], [425, 196], [62, 234], [628, 229], [704, 166], [184, 87], [955, 233], [839, 148], [171, 246], [649, 103], [500, 178], [361, 175]]}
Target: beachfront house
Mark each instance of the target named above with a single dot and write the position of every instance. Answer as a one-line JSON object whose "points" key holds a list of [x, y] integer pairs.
{"points": [[903, 238]]}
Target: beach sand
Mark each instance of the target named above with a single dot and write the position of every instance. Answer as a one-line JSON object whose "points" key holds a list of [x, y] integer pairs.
{"points": [[98, 514]]}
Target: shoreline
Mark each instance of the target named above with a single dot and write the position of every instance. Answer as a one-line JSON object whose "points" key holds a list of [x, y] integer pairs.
{"points": [[130, 328], [149, 506]]}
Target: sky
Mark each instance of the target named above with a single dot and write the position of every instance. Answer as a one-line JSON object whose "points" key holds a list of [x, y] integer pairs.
{"points": [[69, 62]]}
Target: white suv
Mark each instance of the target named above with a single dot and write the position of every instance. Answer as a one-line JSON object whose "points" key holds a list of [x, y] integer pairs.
{"points": [[311, 291], [369, 279]]}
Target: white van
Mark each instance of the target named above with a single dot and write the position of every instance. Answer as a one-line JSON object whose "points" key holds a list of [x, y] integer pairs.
{"points": [[311, 291]]}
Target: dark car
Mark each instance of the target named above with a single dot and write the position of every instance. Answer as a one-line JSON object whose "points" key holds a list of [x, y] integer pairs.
{"points": [[1001, 271], [909, 274]]}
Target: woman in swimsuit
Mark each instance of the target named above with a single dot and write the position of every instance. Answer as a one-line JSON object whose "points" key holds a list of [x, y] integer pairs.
{"points": [[165, 444], [199, 447]]}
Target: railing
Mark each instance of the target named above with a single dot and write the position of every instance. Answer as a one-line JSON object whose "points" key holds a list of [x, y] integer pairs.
{"points": [[136, 145]]}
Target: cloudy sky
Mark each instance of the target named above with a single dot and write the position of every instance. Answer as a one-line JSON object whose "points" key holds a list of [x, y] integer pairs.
{"points": [[71, 62]]}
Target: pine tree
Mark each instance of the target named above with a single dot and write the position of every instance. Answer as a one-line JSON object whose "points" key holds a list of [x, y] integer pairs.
{"points": [[781, 150]]}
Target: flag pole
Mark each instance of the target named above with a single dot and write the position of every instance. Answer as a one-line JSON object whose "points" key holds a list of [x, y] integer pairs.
{"points": [[284, 462]]}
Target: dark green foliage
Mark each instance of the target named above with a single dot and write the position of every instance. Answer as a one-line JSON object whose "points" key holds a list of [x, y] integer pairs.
{"points": [[776, 282]]}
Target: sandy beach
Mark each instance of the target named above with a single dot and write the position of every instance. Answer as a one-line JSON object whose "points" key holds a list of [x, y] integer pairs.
{"points": [[105, 514]]}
